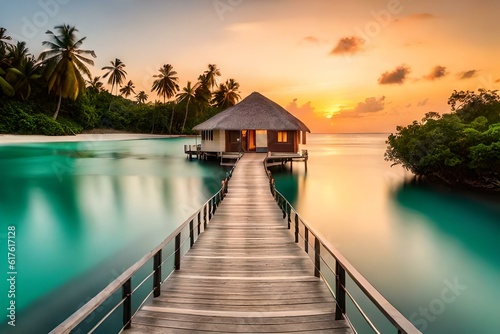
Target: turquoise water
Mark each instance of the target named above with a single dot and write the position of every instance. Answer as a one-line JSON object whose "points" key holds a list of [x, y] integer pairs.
{"points": [[432, 252], [84, 212]]}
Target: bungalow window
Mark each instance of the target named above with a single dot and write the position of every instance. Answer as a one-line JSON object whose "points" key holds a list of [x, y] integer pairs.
{"points": [[282, 137], [207, 135]]}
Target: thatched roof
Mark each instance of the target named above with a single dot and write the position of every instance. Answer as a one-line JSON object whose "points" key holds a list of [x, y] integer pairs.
{"points": [[255, 112]]}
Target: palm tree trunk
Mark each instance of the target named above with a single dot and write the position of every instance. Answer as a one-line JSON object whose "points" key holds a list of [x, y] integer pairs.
{"points": [[171, 121], [185, 116], [58, 107]]}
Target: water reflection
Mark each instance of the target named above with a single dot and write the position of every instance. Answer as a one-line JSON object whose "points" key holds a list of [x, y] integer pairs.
{"points": [[407, 239], [86, 211], [474, 215]]}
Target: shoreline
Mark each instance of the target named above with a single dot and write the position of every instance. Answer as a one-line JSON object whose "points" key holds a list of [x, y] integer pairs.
{"points": [[21, 139]]}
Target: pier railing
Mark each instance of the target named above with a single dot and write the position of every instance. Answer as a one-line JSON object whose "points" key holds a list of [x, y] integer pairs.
{"points": [[192, 148], [350, 289], [164, 260]]}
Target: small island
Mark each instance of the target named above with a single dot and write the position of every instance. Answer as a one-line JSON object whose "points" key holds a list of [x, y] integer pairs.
{"points": [[55, 93], [460, 148]]}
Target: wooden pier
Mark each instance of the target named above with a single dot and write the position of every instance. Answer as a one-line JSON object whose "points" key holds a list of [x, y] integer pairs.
{"points": [[244, 274], [193, 151]]}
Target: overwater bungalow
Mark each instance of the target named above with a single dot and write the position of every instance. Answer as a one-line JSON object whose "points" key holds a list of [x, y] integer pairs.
{"points": [[256, 124]]}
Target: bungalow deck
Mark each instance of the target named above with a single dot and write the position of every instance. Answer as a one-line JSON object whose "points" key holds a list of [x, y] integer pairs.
{"points": [[244, 274]]}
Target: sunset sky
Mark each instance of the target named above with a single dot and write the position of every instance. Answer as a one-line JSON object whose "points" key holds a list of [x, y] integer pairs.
{"points": [[339, 65]]}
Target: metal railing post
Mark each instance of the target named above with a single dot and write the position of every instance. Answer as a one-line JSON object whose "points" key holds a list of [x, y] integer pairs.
{"points": [[288, 211], [306, 239], [157, 274], [191, 233], [285, 211], [199, 222], [340, 291], [204, 217], [296, 227], [317, 257], [127, 304], [178, 251]]}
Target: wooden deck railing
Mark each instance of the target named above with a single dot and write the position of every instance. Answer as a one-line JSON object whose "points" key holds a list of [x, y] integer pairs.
{"points": [[328, 261], [332, 267], [189, 230], [192, 148]]}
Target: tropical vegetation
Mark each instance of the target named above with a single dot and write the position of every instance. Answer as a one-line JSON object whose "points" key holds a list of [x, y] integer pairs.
{"points": [[55, 93], [64, 63], [460, 148]]}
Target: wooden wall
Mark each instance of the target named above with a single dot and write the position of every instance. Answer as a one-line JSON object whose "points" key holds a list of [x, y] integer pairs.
{"points": [[290, 146]]}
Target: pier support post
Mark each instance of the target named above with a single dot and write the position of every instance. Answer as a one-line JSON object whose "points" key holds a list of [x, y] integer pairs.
{"points": [[317, 258], [296, 227], [306, 240], [157, 274], [204, 218], [283, 208], [178, 251], [340, 291], [127, 304], [191, 233], [287, 212], [199, 222]]}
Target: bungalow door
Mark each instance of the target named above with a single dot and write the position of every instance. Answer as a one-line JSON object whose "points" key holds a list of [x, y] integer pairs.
{"points": [[233, 141], [251, 142]]}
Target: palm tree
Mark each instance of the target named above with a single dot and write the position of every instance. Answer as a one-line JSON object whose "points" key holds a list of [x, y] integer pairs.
{"points": [[16, 54], [23, 75], [203, 94], [187, 94], [95, 84], [4, 38], [6, 87], [141, 97], [116, 74], [227, 95], [65, 62], [166, 84], [211, 76], [128, 89]]}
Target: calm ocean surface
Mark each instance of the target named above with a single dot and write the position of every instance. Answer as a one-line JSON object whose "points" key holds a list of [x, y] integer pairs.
{"points": [[86, 211], [432, 252]]}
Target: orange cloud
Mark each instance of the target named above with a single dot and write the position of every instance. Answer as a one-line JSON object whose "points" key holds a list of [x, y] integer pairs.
{"points": [[348, 45], [369, 106], [316, 121], [468, 74], [311, 39], [397, 76], [436, 73]]}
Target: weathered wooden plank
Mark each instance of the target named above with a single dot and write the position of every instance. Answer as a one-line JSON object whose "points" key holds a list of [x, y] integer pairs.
{"points": [[245, 273], [203, 319], [145, 329], [248, 328]]}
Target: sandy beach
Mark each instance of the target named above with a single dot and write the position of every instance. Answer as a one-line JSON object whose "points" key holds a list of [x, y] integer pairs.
{"points": [[18, 139]]}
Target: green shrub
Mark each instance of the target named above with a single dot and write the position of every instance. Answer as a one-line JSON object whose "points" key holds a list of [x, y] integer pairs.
{"points": [[461, 147]]}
